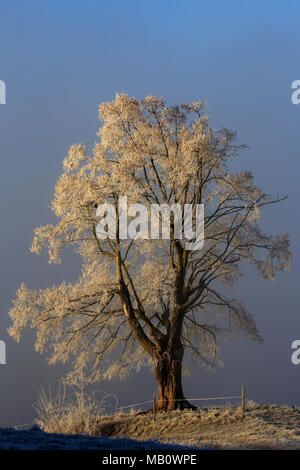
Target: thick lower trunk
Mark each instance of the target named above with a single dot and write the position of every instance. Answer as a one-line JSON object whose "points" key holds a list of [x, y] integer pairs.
{"points": [[168, 372]]}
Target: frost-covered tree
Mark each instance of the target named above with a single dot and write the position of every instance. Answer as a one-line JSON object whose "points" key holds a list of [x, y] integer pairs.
{"points": [[140, 301]]}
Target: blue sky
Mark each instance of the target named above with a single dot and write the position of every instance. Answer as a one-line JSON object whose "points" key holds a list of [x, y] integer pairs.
{"points": [[59, 60]]}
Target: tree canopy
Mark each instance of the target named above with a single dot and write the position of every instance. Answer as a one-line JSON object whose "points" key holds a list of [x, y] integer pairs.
{"points": [[138, 301]]}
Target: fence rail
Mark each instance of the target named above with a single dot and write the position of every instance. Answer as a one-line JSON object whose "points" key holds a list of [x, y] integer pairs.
{"points": [[154, 401], [205, 399]]}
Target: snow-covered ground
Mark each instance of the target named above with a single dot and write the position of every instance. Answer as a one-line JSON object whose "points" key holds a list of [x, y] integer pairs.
{"points": [[35, 439]]}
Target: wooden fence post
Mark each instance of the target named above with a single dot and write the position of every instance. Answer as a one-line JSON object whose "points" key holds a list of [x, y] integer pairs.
{"points": [[243, 401]]}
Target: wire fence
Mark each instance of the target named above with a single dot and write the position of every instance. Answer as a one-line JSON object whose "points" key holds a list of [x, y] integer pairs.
{"points": [[17, 426], [175, 399], [154, 402]]}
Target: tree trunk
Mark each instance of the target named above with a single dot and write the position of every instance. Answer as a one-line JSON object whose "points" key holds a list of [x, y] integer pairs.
{"points": [[167, 372]]}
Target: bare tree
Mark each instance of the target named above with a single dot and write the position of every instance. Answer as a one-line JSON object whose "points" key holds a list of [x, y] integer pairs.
{"points": [[141, 301]]}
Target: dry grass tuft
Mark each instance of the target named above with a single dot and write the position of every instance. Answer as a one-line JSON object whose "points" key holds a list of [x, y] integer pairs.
{"points": [[78, 413]]}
